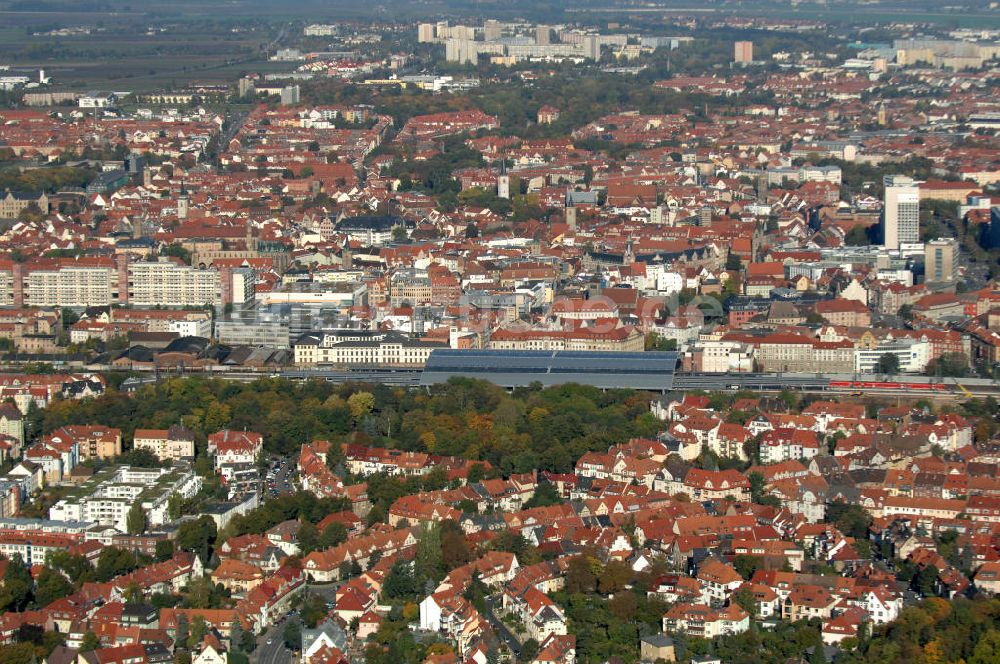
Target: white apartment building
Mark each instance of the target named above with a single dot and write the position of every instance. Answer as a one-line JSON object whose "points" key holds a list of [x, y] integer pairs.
{"points": [[70, 286], [108, 496], [171, 284], [6, 287]]}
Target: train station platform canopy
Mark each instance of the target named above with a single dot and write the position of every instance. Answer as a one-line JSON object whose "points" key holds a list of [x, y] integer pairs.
{"points": [[519, 368]]}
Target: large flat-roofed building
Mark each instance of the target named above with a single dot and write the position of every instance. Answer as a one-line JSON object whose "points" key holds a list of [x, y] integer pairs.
{"points": [[253, 333], [518, 368]]}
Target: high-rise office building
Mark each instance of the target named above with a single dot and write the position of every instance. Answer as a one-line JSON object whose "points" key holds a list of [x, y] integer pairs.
{"points": [[940, 260], [901, 212], [743, 51]]}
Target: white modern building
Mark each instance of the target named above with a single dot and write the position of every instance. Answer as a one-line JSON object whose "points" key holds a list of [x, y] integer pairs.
{"points": [[109, 495], [912, 355], [901, 212]]}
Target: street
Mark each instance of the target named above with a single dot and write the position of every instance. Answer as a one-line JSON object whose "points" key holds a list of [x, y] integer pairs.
{"points": [[507, 636], [271, 646]]}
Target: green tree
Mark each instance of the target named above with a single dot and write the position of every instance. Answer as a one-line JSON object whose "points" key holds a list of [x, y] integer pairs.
{"points": [[50, 586], [175, 505], [477, 472], [888, 363], [73, 566], [857, 236], [545, 496], [428, 563], [90, 642], [164, 550], [744, 598], [135, 520], [655, 341], [580, 577], [182, 631], [746, 565], [850, 519], [293, 635], [757, 484], [236, 636], [361, 404], [400, 582], [197, 536], [114, 561], [332, 535], [197, 632], [948, 364], [987, 651], [249, 642], [790, 399], [177, 251], [308, 537], [926, 581], [17, 584], [529, 649]]}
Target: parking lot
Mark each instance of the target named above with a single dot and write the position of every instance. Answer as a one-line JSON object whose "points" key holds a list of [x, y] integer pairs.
{"points": [[280, 476]]}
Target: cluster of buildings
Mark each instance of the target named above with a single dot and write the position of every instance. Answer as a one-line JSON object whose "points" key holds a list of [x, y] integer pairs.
{"points": [[647, 504], [642, 504], [738, 236], [506, 44], [306, 263]]}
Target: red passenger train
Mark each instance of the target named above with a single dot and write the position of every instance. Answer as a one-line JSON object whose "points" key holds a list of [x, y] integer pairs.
{"points": [[886, 385]]}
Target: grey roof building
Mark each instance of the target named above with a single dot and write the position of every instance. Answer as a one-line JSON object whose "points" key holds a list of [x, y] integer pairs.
{"points": [[507, 368]]}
